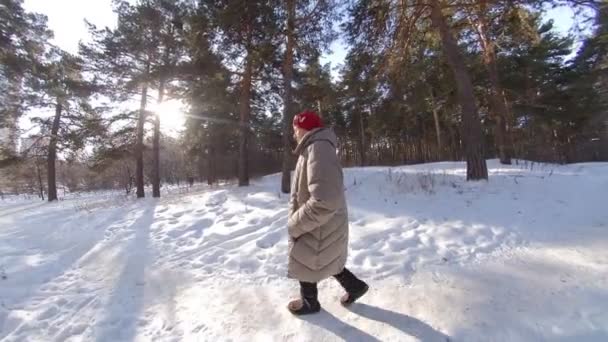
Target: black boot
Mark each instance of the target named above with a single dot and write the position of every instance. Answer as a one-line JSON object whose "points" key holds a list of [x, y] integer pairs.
{"points": [[308, 303], [355, 287]]}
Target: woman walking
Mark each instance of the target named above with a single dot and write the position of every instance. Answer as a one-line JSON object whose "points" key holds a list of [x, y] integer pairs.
{"points": [[318, 217]]}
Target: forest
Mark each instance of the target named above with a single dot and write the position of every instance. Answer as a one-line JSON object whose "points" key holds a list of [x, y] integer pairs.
{"points": [[422, 81]]}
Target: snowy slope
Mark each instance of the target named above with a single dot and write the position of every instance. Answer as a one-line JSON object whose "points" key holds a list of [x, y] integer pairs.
{"points": [[522, 257]]}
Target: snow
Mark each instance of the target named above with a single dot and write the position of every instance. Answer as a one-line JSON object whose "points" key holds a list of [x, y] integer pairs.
{"points": [[522, 257]]}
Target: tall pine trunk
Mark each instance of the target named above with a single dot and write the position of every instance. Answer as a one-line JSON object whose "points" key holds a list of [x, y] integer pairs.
{"points": [[52, 154], [13, 96], [319, 108], [287, 111], [156, 145], [497, 101], [39, 174], [139, 144], [470, 126], [210, 165], [509, 125], [435, 110], [361, 141], [245, 109]]}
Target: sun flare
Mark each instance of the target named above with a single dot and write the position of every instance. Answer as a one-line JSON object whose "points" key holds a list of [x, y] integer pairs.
{"points": [[171, 114]]}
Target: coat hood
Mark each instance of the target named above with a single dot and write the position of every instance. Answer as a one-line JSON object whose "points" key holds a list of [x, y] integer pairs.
{"points": [[317, 134]]}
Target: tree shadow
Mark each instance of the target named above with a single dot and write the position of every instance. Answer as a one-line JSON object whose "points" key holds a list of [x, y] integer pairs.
{"points": [[343, 330], [11, 209], [127, 298], [25, 281], [405, 323]]}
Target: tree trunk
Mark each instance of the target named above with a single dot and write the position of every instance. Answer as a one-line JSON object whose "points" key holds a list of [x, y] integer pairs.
{"points": [[319, 108], [287, 111], [39, 173], [156, 145], [510, 121], [470, 126], [139, 144], [129, 181], [245, 111], [497, 102], [362, 152], [528, 86], [435, 111], [52, 155], [419, 146], [210, 165], [12, 96]]}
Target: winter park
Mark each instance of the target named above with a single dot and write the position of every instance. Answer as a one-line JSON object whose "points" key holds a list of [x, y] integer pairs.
{"points": [[303, 170]]}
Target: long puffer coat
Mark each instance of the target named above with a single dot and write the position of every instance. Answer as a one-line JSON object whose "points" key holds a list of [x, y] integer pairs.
{"points": [[318, 217]]}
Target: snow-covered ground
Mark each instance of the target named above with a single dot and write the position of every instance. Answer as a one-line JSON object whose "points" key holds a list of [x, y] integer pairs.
{"points": [[522, 257]]}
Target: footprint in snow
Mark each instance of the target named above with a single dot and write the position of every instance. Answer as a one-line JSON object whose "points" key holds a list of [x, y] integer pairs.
{"points": [[269, 240], [204, 223], [360, 258], [414, 225], [199, 328], [360, 223], [176, 233], [397, 246], [48, 313]]}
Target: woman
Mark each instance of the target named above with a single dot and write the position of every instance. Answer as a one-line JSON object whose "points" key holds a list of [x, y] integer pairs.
{"points": [[318, 217]]}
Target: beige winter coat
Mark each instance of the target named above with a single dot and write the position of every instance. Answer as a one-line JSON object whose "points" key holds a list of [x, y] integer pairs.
{"points": [[318, 218]]}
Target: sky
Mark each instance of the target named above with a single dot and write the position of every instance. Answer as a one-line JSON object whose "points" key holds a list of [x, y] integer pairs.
{"points": [[67, 20]]}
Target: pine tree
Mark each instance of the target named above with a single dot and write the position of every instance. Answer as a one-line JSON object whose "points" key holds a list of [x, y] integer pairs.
{"points": [[471, 128], [23, 40], [62, 88], [360, 87], [590, 75], [248, 34], [480, 17], [167, 26], [288, 59], [534, 77], [393, 28], [210, 137], [307, 30], [131, 59]]}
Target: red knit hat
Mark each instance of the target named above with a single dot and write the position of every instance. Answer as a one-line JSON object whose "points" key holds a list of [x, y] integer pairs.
{"points": [[308, 120]]}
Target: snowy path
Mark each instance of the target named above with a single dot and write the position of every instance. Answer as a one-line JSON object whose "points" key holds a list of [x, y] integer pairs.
{"points": [[523, 257]]}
